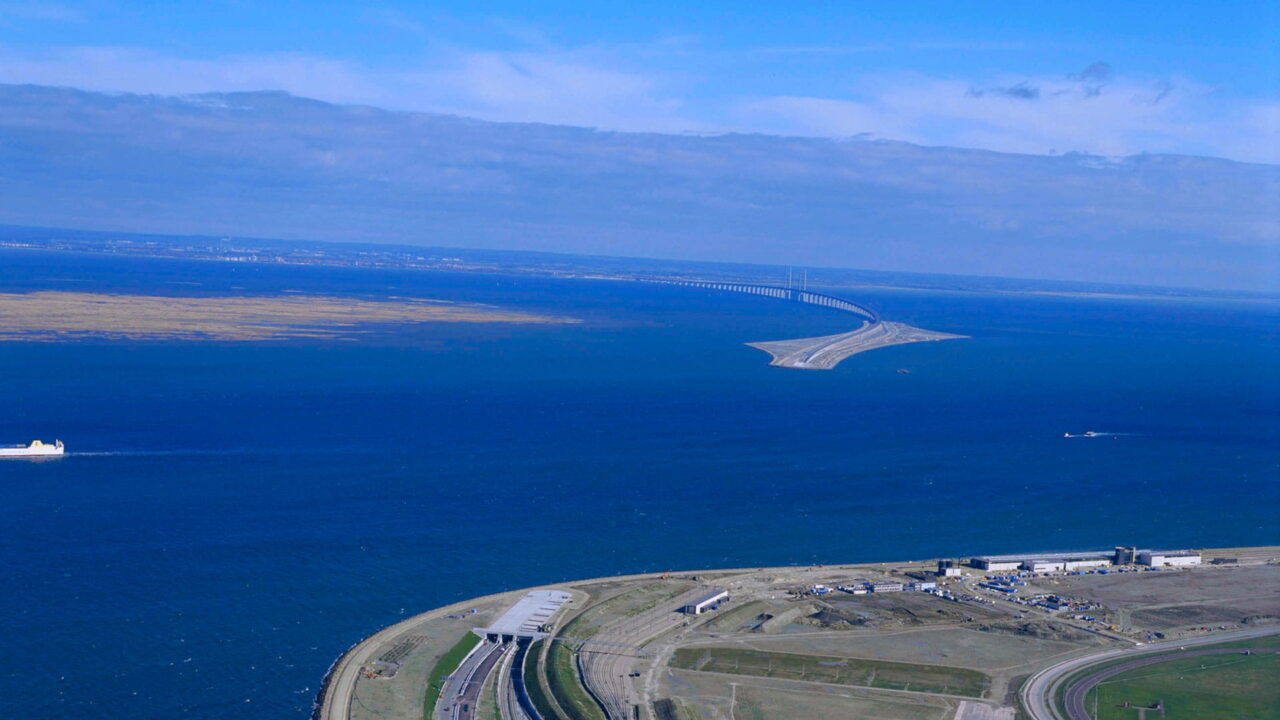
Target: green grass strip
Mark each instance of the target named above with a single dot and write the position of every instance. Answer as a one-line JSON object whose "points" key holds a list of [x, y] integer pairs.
{"points": [[532, 683], [1059, 696], [445, 666], [566, 685]]}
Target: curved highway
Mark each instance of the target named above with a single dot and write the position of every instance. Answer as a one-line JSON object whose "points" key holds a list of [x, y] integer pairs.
{"points": [[1076, 694], [1039, 691]]}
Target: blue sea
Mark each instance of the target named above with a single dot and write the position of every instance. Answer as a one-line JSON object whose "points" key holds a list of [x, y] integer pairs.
{"points": [[232, 516]]}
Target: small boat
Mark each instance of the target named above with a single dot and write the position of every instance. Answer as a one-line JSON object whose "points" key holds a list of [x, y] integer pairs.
{"points": [[35, 449]]}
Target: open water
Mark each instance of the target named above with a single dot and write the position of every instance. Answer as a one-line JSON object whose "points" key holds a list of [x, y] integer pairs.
{"points": [[232, 516]]}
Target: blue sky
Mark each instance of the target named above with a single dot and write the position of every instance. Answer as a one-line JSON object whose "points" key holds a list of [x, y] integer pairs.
{"points": [[1106, 78]]}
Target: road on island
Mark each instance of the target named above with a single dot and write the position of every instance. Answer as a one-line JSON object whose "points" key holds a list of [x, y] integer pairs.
{"points": [[1075, 695], [609, 658], [1039, 691], [461, 696], [824, 353]]}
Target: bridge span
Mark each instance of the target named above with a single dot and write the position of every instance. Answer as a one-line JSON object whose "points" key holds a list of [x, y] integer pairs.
{"points": [[801, 295], [823, 353]]}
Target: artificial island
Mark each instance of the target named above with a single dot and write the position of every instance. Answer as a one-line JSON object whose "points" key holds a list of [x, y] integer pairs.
{"points": [[827, 351], [1122, 633]]}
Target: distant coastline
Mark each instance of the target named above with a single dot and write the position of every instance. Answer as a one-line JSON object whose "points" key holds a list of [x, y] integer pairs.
{"points": [[568, 266]]}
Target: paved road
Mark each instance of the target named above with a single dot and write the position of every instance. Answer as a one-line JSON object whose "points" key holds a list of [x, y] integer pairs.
{"points": [[1039, 690], [462, 694], [1075, 695], [824, 353]]}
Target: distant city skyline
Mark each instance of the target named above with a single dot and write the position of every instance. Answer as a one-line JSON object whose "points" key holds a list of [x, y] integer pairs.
{"points": [[1108, 79]]}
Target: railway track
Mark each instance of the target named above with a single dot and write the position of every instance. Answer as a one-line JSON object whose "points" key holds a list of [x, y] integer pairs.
{"points": [[1041, 689]]}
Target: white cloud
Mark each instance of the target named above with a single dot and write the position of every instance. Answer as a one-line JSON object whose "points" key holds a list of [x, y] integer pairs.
{"points": [[614, 88], [548, 87], [552, 87], [1036, 115], [142, 71]]}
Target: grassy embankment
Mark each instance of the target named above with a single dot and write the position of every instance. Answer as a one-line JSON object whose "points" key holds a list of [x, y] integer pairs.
{"points": [[566, 684], [532, 683], [563, 679], [1073, 678], [1225, 686], [674, 709], [444, 667], [835, 670]]}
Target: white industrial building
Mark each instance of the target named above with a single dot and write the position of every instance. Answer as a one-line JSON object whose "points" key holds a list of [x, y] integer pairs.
{"points": [[997, 563], [1172, 558], [1043, 562], [706, 601], [1063, 564]]}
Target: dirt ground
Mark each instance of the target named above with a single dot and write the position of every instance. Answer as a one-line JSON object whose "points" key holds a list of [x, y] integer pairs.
{"points": [[716, 697], [400, 696], [770, 612], [944, 646], [1175, 601]]}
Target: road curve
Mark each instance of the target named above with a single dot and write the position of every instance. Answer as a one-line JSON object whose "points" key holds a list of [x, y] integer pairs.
{"points": [[1039, 690], [1076, 694], [334, 699]]}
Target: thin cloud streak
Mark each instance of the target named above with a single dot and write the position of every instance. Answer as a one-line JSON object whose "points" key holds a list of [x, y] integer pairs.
{"points": [[1095, 110]]}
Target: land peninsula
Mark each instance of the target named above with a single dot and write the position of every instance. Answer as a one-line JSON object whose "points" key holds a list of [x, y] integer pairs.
{"points": [[50, 316], [1062, 636]]}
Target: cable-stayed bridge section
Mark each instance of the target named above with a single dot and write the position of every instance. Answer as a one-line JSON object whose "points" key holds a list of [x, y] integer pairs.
{"points": [[801, 295], [824, 353]]}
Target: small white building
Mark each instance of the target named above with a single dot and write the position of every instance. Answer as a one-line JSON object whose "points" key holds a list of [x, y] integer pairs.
{"points": [[887, 587], [706, 601], [1169, 558]]}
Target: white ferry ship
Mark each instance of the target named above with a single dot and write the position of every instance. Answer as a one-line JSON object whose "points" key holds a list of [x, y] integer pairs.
{"points": [[35, 449]]}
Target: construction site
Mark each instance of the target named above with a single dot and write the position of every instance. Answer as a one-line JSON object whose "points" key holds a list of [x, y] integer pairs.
{"points": [[937, 640]]}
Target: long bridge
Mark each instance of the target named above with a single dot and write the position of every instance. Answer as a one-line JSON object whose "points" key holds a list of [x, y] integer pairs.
{"points": [[822, 353], [802, 295]]}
